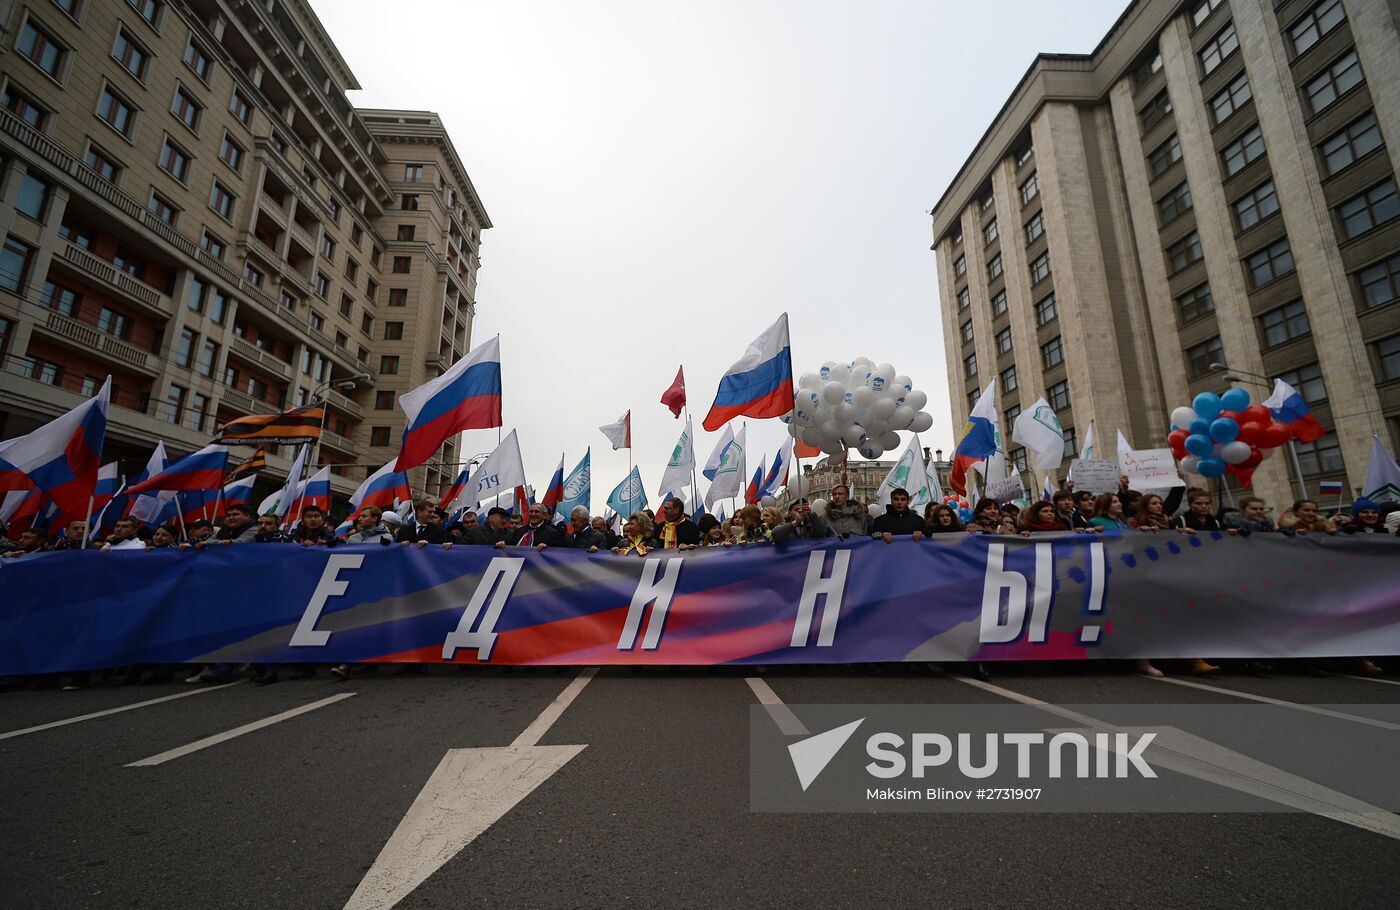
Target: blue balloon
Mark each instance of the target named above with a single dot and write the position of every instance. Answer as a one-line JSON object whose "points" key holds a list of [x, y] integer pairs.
{"points": [[1210, 466], [1224, 429], [964, 515], [1207, 405], [1235, 399], [1199, 445], [1199, 427]]}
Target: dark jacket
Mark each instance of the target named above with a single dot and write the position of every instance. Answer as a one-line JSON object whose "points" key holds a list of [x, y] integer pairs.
{"points": [[589, 536], [483, 536], [687, 532], [325, 537], [813, 528], [896, 523], [274, 537], [1074, 522], [544, 533], [428, 533], [247, 534], [1188, 519]]}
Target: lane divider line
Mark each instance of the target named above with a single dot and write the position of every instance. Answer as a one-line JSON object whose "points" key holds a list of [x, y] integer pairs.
{"points": [[788, 722], [1297, 706], [532, 734], [110, 711], [227, 735]]}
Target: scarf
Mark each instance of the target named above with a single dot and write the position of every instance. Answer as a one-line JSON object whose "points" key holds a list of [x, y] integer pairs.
{"points": [[637, 543], [668, 534]]}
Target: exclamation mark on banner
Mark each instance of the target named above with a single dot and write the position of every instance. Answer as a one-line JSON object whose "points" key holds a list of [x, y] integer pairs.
{"points": [[1089, 634]]}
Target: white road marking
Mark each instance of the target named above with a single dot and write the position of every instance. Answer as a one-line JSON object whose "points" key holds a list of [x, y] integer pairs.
{"points": [[1297, 706], [227, 735], [1205, 760], [470, 790], [1374, 679], [110, 711], [782, 715]]}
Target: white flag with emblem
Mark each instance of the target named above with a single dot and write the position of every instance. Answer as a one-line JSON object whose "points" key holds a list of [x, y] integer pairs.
{"points": [[909, 474], [1039, 431], [729, 475], [681, 467]]}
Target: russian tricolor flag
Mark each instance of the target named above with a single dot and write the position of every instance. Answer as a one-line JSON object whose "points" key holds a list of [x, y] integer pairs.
{"points": [[554, 493], [201, 470], [385, 489], [754, 492], [1288, 406], [978, 440], [240, 493], [314, 492], [61, 458], [759, 384], [466, 397], [777, 475]]}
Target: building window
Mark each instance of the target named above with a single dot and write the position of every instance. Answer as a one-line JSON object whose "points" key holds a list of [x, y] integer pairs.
{"points": [[408, 202], [1316, 23], [999, 303], [239, 107], [1201, 11], [970, 364], [367, 323], [1322, 456], [1218, 49], [388, 366], [1040, 267], [1231, 98], [316, 320], [1366, 210], [194, 300], [988, 199], [965, 330], [117, 112], [372, 289], [221, 200], [208, 356], [41, 48], [989, 233], [973, 397], [162, 208], [186, 109], [129, 263], [252, 275], [1308, 381], [288, 301], [413, 173], [24, 107], [98, 161], [1195, 303], [1184, 252], [1031, 188], [33, 192], [1045, 310], [57, 297], [341, 340], [1269, 263], [1358, 138], [1388, 355], [14, 264], [379, 436], [398, 296], [185, 346], [393, 331], [1052, 353], [1004, 341], [257, 389], [1011, 414], [1341, 77], [1243, 152], [1256, 205], [1024, 155], [197, 60], [1035, 227], [323, 285], [328, 247], [994, 268], [1380, 283], [334, 203], [402, 264], [147, 9], [405, 232], [1071, 442], [1199, 357], [1284, 323], [231, 153], [352, 269], [1146, 69], [964, 299], [1058, 395], [357, 234], [1157, 110], [347, 305], [960, 267], [1164, 156], [1175, 203], [384, 401], [1008, 379], [212, 245], [132, 56], [174, 161], [218, 306], [958, 239]]}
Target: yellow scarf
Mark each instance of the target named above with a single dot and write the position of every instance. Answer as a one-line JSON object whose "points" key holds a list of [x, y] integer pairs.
{"points": [[638, 543], [668, 535]]}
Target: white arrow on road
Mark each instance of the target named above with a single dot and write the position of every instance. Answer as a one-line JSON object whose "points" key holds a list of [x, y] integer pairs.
{"points": [[468, 792]]}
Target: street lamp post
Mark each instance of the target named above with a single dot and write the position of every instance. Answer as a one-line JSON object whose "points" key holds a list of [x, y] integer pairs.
{"points": [[1260, 379]]}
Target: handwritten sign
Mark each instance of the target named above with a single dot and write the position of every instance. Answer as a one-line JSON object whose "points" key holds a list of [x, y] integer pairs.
{"points": [[1150, 469], [1005, 490], [1095, 475]]}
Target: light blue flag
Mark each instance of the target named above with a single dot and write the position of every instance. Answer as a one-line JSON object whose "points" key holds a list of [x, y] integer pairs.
{"points": [[578, 488], [630, 495]]}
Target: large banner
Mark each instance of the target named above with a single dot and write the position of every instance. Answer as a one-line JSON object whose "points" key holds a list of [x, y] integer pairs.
{"points": [[955, 598]]}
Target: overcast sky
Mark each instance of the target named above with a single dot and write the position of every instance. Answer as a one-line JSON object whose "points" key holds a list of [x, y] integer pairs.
{"points": [[666, 178]]}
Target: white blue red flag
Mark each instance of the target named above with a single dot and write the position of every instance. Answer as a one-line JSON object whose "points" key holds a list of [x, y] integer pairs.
{"points": [[777, 476], [1288, 406], [384, 489], [759, 384], [554, 493], [61, 458], [466, 397], [201, 470], [978, 440], [754, 492], [316, 491]]}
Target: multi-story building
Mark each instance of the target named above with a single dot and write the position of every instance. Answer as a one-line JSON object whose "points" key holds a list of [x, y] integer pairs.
{"points": [[862, 477], [1210, 194], [190, 203]]}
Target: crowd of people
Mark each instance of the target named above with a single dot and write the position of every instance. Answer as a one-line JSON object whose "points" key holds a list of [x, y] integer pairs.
{"points": [[1183, 511]]}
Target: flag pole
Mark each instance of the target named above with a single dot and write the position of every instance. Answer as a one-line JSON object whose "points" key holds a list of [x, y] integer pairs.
{"points": [[103, 514], [87, 522], [180, 514]]}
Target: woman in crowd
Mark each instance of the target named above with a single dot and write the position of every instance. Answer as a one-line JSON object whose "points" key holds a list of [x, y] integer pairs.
{"points": [[1365, 518], [1038, 518], [637, 536], [747, 527], [771, 516], [714, 537], [1303, 517], [163, 538], [1151, 514], [1108, 513], [942, 519], [986, 518]]}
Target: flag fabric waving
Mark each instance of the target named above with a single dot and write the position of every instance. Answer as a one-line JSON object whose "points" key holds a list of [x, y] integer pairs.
{"points": [[628, 496], [314, 492], [717, 454], [1288, 406], [500, 472], [466, 397], [278, 503], [759, 384], [239, 493], [620, 433], [777, 475], [554, 493], [384, 489], [1382, 475], [674, 397], [909, 474], [754, 491], [978, 440], [578, 487], [292, 426], [199, 470], [1038, 429], [681, 466], [728, 478], [61, 458], [109, 483], [248, 466]]}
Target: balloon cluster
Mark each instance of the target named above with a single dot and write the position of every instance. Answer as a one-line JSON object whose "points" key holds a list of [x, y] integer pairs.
{"points": [[1221, 434], [961, 506], [859, 405]]}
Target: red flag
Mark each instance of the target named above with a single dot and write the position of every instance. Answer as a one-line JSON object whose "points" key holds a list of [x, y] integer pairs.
{"points": [[802, 450], [674, 397]]}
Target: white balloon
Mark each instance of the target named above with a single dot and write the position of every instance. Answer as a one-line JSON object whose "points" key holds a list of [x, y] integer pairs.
{"points": [[903, 384], [832, 447], [887, 370], [1183, 417], [872, 450], [809, 381], [863, 361], [833, 392], [829, 428], [882, 409], [801, 418], [786, 418], [839, 373], [825, 372], [819, 506], [1188, 464], [889, 440], [810, 436], [922, 422], [1235, 452], [798, 486], [916, 399], [878, 381], [903, 416], [862, 398], [794, 429], [845, 413], [876, 509]]}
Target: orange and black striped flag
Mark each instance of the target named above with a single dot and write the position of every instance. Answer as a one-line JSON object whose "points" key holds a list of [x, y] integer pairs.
{"points": [[297, 425], [248, 467]]}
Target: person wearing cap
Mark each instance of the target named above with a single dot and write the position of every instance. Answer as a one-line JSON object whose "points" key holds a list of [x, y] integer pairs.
{"points": [[801, 524], [494, 531], [676, 531], [898, 520], [537, 532], [428, 527], [1365, 518]]}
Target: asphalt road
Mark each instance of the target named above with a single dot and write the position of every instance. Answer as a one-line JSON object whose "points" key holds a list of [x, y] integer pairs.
{"points": [[653, 811]]}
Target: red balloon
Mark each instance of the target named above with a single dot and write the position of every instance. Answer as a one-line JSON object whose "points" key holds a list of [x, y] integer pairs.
{"points": [[1275, 435], [1178, 437], [1236, 416], [1257, 413], [1252, 462], [1252, 432]]}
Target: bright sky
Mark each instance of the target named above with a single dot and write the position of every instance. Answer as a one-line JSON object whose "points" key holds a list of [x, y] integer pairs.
{"points": [[665, 179]]}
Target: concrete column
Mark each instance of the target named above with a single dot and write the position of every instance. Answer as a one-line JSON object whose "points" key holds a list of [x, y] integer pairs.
{"points": [[981, 308], [14, 174], [1019, 300], [948, 312], [1378, 48]]}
